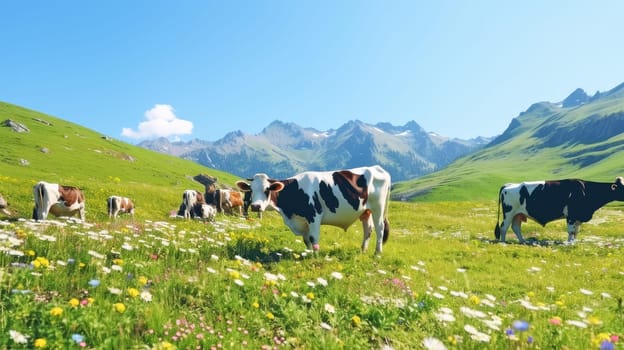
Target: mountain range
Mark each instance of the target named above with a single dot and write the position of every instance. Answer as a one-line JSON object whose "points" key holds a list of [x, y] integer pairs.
{"points": [[284, 149]]}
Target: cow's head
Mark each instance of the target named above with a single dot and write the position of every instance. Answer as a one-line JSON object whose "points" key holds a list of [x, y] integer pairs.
{"points": [[618, 188], [260, 187]]}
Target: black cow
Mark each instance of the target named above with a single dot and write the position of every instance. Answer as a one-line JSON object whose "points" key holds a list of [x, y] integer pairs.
{"points": [[546, 201]]}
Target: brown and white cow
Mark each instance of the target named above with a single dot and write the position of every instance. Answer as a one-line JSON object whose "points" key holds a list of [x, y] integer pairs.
{"points": [[192, 201], [546, 201], [229, 200], [58, 200], [119, 205], [311, 199]]}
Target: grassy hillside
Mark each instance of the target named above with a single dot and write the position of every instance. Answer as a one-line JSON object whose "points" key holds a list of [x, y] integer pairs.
{"points": [[545, 142], [62, 152]]}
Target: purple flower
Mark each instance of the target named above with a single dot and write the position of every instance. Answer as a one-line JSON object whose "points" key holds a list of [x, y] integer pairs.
{"points": [[509, 331], [607, 345], [530, 339], [520, 326]]}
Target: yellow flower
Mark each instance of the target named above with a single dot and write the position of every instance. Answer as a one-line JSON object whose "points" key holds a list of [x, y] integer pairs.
{"points": [[475, 300], [165, 345], [270, 316], [310, 296], [133, 292], [119, 307], [531, 294], [143, 280], [255, 305], [356, 321], [235, 274], [559, 303], [74, 302], [30, 252], [90, 300], [36, 264], [40, 343], [599, 338], [43, 261], [118, 261], [82, 265], [594, 321], [56, 311]]}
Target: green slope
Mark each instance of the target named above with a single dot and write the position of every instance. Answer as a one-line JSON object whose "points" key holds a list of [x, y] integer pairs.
{"points": [[66, 153], [545, 142]]}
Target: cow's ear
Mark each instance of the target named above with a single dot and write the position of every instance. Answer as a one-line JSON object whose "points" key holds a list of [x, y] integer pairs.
{"points": [[276, 186], [243, 186]]}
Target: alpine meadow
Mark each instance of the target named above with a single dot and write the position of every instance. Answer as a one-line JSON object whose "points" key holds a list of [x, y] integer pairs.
{"points": [[157, 281]]}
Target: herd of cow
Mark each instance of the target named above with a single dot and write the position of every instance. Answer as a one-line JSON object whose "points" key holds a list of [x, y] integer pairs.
{"points": [[338, 198]]}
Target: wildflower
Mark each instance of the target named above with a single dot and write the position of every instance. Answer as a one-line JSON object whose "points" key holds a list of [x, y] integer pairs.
{"points": [[520, 326], [40, 262], [336, 275], [322, 281], [433, 344], [133, 292], [40, 343], [119, 307], [356, 321], [18, 337], [94, 283], [607, 345], [118, 261], [575, 323], [594, 321], [235, 274], [326, 326], [310, 295], [555, 321], [586, 292], [270, 316], [115, 291], [475, 300], [142, 280], [146, 296], [78, 338], [30, 252], [255, 305], [73, 302], [56, 311], [330, 308]]}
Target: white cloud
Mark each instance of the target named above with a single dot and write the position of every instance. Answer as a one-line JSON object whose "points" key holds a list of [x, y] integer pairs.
{"points": [[161, 122]]}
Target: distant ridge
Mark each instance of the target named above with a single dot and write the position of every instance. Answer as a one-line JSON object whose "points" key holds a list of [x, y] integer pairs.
{"points": [[283, 149]]}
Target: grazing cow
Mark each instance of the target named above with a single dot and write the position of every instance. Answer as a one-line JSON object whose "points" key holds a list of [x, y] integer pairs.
{"points": [[57, 200], [546, 201], [228, 200], [311, 199], [118, 204], [191, 204], [4, 205]]}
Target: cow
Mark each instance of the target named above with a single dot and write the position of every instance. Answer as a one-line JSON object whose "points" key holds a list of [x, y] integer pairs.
{"points": [[118, 204], [191, 203], [210, 186], [228, 200], [205, 211], [545, 201], [58, 200], [338, 198], [4, 205]]}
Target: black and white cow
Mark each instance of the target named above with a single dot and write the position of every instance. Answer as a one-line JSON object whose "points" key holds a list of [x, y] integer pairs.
{"points": [[191, 206], [58, 200], [311, 199], [546, 201]]}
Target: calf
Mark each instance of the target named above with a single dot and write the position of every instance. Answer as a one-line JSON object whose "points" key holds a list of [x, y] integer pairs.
{"points": [[118, 204], [57, 200], [311, 199], [206, 212], [546, 201], [191, 202]]}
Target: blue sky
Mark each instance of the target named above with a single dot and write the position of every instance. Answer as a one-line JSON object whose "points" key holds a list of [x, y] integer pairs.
{"points": [[200, 69]]}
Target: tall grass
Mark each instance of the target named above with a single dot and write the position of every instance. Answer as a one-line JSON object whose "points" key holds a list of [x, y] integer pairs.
{"points": [[242, 283]]}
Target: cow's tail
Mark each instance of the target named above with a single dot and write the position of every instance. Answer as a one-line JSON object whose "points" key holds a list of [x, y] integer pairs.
{"points": [[38, 202], [497, 229]]}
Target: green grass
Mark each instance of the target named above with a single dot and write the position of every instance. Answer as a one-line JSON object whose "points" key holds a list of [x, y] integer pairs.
{"points": [[239, 283], [157, 282]]}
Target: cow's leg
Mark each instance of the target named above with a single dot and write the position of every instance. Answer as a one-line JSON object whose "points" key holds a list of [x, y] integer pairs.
{"points": [[367, 228], [573, 229], [505, 226], [516, 226]]}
